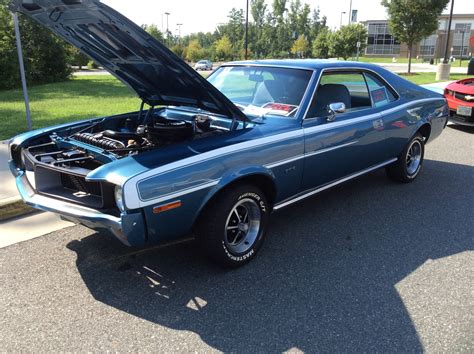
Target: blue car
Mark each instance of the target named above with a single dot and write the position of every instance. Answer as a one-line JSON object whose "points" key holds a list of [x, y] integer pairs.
{"points": [[214, 158]]}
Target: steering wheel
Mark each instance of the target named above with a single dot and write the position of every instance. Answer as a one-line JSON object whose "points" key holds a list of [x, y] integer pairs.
{"points": [[240, 106]]}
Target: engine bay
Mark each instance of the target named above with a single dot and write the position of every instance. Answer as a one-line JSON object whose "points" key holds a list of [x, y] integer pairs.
{"points": [[131, 135]]}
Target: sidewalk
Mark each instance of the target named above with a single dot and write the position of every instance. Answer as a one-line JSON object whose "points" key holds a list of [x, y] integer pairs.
{"points": [[15, 225], [419, 68]]}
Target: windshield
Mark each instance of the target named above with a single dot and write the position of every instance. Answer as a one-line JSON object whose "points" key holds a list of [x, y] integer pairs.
{"points": [[260, 91]]}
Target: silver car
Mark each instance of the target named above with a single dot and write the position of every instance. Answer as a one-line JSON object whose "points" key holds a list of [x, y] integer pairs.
{"points": [[203, 65]]}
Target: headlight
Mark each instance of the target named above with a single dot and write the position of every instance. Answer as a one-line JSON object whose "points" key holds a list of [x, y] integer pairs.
{"points": [[119, 198]]}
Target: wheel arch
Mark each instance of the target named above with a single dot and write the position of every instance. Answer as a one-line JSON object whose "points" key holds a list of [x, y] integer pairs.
{"points": [[425, 131], [264, 180]]}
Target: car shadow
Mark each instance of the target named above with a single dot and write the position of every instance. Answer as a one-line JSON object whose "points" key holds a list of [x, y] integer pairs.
{"points": [[462, 128], [325, 279]]}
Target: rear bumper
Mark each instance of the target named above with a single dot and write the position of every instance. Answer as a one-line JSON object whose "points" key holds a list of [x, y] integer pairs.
{"points": [[128, 228]]}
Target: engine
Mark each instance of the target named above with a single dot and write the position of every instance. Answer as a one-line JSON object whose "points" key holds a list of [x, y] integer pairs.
{"points": [[132, 138]]}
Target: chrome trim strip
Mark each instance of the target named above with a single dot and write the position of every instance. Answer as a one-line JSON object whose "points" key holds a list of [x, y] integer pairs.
{"points": [[180, 193], [282, 162], [322, 151], [332, 184], [302, 156]]}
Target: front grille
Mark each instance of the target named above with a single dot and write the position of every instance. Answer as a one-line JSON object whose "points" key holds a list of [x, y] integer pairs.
{"points": [[462, 97], [455, 116], [79, 184]]}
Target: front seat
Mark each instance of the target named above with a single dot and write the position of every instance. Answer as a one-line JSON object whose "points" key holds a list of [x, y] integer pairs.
{"points": [[326, 94], [268, 91]]}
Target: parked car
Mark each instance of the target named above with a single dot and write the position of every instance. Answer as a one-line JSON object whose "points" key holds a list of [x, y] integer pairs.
{"points": [[203, 65], [214, 158], [460, 97]]}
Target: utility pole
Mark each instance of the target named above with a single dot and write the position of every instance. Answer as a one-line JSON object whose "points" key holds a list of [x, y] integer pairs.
{"points": [[167, 28], [247, 31], [22, 69]]}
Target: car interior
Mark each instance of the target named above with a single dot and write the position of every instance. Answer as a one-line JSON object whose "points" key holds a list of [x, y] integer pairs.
{"points": [[348, 88]]}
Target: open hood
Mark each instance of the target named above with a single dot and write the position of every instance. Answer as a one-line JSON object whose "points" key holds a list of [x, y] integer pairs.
{"points": [[155, 73]]}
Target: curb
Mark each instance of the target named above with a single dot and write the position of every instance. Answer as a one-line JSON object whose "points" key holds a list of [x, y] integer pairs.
{"points": [[14, 207]]}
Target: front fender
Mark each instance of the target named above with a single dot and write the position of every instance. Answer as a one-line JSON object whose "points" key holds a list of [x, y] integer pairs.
{"points": [[234, 177]]}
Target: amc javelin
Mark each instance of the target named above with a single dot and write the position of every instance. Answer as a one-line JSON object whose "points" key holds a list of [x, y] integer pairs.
{"points": [[215, 157]]}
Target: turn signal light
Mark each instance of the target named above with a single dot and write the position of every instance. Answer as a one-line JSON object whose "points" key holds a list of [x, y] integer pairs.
{"points": [[166, 207]]}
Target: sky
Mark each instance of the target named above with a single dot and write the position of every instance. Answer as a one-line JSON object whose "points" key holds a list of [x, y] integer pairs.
{"points": [[205, 15]]}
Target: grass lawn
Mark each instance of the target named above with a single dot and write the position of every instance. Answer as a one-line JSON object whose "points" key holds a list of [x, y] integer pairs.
{"points": [[86, 97], [403, 60], [80, 98], [428, 78]]}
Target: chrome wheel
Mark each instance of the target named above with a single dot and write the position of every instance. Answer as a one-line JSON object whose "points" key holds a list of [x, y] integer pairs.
{"points": [[413, 158], [242, 226]]}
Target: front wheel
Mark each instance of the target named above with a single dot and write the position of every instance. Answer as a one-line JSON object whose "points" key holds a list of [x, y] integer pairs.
{"points": [[410, 161], [232, 228]]}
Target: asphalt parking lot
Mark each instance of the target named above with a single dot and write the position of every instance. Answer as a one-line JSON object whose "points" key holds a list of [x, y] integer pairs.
{"points": [[368, 266]]}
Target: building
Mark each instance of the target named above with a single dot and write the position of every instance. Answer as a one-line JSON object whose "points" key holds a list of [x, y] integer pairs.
{"points": [[380, 42]]}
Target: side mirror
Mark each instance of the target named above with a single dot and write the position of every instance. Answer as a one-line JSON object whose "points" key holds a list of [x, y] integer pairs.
{"points": [[333, 109]]}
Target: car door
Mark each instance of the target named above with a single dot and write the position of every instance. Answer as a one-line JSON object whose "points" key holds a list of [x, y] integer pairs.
{"points": [[353, 141]]}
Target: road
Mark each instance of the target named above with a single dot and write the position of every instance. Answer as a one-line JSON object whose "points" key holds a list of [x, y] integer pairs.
{"points": [[368, 266]]}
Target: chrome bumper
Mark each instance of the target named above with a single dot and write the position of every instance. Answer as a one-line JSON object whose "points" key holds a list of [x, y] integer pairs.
{"points": [[128, 228]]}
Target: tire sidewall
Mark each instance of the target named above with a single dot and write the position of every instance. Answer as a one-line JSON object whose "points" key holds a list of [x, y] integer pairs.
{"points": [[412, 176], [259, 198]]}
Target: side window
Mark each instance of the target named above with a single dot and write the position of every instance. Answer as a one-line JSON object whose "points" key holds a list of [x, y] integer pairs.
{"points": [[380, 93], [348, 87]]}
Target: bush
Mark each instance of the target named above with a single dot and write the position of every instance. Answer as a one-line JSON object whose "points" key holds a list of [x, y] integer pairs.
{"points": [[91, 65]]}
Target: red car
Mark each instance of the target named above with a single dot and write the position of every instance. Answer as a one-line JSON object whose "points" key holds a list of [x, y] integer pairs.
{"points": [[460, 97]]}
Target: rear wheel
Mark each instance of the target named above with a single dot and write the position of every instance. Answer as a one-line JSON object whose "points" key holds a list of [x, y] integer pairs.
{"points": [[232, 228], [410, 161]]}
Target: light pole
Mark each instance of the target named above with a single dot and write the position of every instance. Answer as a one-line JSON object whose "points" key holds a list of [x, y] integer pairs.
{"points": [[22, 69], [462, 48], [448, 32], [444, 68], [167, 28], [340, 23], [179, 30], [350, 12], [247, 31]]}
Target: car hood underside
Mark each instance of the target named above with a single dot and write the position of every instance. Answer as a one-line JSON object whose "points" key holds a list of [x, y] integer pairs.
{"points": [[124, 49]]}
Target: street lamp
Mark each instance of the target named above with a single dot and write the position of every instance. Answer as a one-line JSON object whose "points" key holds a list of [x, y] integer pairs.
{"points": [[179, 29], [342, 13], [444, 68], [247, 31], [350, 12], [167, 27]]}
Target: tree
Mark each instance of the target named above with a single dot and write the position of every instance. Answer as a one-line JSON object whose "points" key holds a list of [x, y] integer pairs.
{"points": [[322, 44], [193, 51], [412, 20], [344, 41], [223, 48], [154, 32], [76, 57], [258, 9], [300, 47], [44, 54]]}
